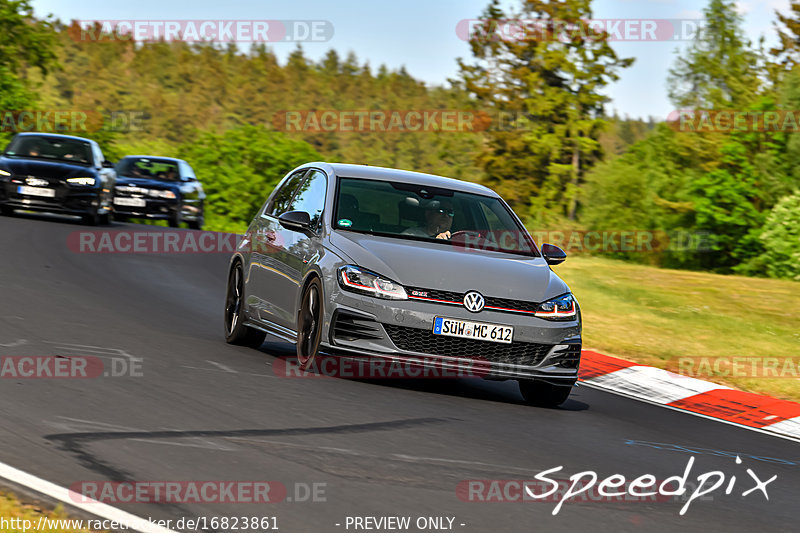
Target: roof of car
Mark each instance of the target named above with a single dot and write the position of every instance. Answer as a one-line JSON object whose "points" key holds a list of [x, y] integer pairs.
{"points": [[48, 134], [403, 176], [163, 158]]}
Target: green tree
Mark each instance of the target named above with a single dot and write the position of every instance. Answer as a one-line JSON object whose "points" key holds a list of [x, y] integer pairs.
{"points": [[550, 84], [719, 70], [239, 169]]}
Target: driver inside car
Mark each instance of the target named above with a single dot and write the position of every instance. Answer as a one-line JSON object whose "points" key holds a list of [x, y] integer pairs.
{"points": [[438, 221]]}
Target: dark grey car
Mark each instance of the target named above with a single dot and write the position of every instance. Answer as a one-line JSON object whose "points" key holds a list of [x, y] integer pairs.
{"points": [[352, 261]]}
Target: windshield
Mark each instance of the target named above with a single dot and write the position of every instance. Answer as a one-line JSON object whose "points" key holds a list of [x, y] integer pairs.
{"points": [[419, 212], [148, 168], [53, 148]]}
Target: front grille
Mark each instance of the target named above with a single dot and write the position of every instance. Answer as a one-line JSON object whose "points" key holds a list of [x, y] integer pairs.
{"points": [[424, 341], [352, 327], [500, 304], [569, 357]]}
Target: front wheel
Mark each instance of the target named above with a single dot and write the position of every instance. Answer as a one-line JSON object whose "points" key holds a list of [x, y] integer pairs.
{"points": [[175, 218], [309, 324], [235, 330], [542, 394]]}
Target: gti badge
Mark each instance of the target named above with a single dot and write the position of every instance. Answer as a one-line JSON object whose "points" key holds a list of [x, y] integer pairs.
{"points": [[35, 182], [473, 301]]}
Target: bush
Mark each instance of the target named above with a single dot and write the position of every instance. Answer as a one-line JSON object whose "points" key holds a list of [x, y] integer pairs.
{"points": [[781, 238]]}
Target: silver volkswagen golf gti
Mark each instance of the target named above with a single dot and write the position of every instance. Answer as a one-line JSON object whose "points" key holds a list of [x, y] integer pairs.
{"points": [[357, 261]]}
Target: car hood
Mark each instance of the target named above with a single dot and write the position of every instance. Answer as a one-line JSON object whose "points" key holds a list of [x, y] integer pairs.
{"points": [[46, 169], [437, 266], [148, 183]]}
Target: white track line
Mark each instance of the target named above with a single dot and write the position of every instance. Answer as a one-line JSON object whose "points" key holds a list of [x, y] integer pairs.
{"points": [[88, 505]]}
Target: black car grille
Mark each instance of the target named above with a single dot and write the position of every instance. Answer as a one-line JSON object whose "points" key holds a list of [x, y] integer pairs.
{"points": [[424, 341], [352, 327], [457, 298]]}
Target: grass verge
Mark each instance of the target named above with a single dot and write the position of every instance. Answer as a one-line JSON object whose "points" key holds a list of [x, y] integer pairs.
{"points": [[13, 514], [658, 316]]}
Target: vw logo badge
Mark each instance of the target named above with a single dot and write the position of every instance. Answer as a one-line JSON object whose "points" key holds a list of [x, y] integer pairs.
{"points": [[473, 301]]}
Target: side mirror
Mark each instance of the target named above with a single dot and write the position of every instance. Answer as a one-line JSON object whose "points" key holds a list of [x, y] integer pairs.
{"points": [[295, 220], [107, 164], [189, 178], [553, 254]]}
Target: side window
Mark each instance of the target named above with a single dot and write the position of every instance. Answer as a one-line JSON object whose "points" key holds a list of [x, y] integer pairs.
{"points": [[98, 155], [311, 197], [186, 170], [280, 202]]}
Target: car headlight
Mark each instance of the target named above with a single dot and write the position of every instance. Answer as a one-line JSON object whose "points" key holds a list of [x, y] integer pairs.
{"points": [[81, 181], [4, 172], [355, 279], [561, 308], [169, 195]]}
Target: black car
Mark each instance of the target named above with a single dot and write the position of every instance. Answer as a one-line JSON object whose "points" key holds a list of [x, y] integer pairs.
{"points": [[56, 173], [162, 188]]}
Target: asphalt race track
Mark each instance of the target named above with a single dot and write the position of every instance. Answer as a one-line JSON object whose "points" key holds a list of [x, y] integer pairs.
{"points": [[204, 410]]}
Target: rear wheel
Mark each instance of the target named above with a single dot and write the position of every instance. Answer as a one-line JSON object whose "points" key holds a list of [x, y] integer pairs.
{"points": [[309, 324], [542, 394], [235, 330]]}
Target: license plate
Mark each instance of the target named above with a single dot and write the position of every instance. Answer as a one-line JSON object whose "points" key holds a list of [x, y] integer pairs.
{"points": [[451, 327], [36, 191], [132, 202]]}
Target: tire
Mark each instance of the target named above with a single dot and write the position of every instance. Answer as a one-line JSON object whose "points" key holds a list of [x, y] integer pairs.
{"points": [[235, 330], [542, 394], [6, 211], [309, 324], [200, 220], [91, 219], [105, 219], [175, 219]]}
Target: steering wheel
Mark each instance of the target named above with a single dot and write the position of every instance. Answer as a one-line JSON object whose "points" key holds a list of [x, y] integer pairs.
{"points": [[464, 233]]}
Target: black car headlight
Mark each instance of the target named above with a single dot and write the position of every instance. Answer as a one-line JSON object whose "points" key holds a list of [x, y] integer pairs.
{"points": [[562, 308], [356, 279]]}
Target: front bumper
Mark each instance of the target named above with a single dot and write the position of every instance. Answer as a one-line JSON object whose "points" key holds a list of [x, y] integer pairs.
{"points": [[67, 200], [157, 209], [402, 331]]}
